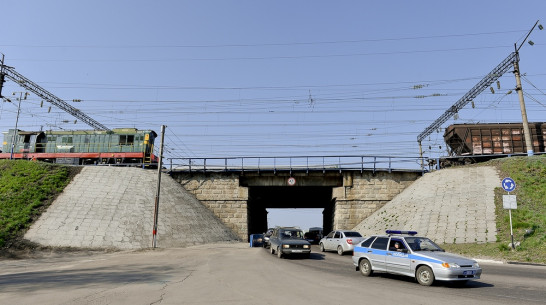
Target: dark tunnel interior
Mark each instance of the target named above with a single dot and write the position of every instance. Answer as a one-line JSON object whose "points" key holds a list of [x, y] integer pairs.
{"points": [[267, 197]]}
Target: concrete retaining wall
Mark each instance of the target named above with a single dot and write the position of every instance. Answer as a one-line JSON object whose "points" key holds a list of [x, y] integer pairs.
{"points": [[363, 194], [222, 195]]}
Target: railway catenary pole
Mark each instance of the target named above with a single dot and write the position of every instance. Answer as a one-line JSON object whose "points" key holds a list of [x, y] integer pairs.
{"points": [[519, 89], [15, 132], [18, 78], [159, 165], [526, 131], [503, 67], [491, 77]]}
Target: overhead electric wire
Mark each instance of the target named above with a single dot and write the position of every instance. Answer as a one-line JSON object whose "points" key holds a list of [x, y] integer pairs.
{"points": [[269, 44]]}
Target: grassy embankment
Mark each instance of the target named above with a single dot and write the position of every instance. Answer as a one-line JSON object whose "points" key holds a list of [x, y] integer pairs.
{"points": [[528, 221], [26, 189]]}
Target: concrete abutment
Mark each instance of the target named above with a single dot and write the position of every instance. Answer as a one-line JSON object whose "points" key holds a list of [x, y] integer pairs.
{"points": [[348, 197]]}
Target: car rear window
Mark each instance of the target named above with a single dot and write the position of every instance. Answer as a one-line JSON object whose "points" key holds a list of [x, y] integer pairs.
{"points": [[352, 234], [380, 243]]}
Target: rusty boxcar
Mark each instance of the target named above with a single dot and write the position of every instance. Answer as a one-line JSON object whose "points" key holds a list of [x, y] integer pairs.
{"points": [[493, 138]]}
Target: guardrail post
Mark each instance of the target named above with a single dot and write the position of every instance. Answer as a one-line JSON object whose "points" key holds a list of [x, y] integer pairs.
{"points": [[361, 165], [290, 158], [323, 166], [374, 164], [189, 164], [390, 168]]}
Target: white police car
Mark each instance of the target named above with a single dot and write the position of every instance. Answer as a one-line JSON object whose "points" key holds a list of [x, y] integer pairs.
{"points": [[401, 252]]}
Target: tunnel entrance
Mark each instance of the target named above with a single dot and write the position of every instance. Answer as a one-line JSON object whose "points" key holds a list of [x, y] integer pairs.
{"points": [[261, 198]]}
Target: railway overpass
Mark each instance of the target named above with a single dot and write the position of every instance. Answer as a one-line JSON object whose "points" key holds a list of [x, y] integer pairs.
{"points": [[113, 207], [239, 190]]}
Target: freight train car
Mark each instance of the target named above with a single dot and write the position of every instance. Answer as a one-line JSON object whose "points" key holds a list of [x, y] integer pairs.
{"points": [[493, 139], [79, 147]]}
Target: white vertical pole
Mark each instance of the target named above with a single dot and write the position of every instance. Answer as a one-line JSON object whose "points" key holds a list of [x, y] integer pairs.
{"points": [[511, 232]]}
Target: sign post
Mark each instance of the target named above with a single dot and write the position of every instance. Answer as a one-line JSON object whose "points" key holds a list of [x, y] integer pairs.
{"points": [[509, 202]]}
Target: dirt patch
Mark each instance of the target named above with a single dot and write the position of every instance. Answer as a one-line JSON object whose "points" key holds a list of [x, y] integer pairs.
{"points": [[23, 249]]}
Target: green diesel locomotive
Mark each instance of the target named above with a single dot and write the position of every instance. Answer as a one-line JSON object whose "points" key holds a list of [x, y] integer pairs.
{"points": [[80, 147]]}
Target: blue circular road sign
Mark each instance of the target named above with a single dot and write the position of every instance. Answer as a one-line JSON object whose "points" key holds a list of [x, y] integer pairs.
{"points": [[508, 184]]}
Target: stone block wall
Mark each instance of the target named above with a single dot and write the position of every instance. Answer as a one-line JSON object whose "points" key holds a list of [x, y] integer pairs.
{"points": [[363, 194], [221, 194]]}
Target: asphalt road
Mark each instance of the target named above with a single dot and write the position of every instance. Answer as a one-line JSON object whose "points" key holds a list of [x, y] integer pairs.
{"points": [[237, 274]]}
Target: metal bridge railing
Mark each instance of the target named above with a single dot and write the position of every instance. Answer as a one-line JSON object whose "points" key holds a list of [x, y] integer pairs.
{"points": [[294, 163]]}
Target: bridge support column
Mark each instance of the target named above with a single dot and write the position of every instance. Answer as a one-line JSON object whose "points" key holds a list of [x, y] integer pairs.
{"points": [[363, 194], [221, 194]]}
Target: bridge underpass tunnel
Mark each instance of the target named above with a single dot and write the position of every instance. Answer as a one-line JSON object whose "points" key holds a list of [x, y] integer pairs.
{"points": [[261, 198]]}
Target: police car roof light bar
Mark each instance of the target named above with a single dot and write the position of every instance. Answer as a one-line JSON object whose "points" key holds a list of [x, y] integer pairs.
{"points": [[390, 232]]}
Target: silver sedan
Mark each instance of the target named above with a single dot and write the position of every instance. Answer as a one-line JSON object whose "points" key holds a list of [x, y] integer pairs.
{"points": [[401, 252], [341, 241]]}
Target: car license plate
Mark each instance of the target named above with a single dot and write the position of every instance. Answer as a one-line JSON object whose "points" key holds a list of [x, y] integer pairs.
{"points": [[296, 251], [468, 272]]}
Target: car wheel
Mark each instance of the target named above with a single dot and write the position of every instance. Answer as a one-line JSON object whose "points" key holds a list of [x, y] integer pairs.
{"points": [[271, 250], [340, 250], [424, 276], [279, 253], [365, 267], [321, 247]]}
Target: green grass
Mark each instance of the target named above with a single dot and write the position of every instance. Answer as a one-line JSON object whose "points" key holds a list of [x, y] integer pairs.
{"points": [[26, 188], [528, 221]]}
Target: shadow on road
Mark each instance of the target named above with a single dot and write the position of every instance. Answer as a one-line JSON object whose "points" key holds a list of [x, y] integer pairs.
{"points": [[84, 277]]}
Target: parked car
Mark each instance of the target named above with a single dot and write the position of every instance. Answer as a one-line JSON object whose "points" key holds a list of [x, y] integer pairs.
{"points": [[266, 237], [313, 235], [340, 240], [288, 241], [256, 240], [401, 252]]}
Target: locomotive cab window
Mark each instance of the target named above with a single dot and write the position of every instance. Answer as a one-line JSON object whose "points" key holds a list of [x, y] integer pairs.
{"points": [[126, 139], [67, 140]]}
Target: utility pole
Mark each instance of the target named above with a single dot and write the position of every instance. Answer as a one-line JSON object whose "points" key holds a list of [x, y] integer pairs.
{"points": [[519, 89], [2, 79], [159, 165], [15, 132], [526, 131]]}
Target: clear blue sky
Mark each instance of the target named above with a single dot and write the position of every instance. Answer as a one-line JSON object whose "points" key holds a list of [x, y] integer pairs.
{"points": [[263, 78]]}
